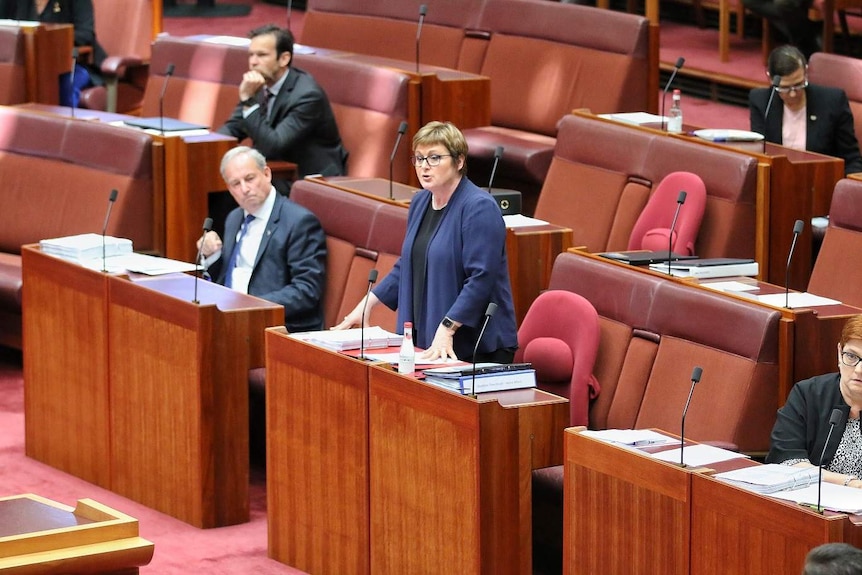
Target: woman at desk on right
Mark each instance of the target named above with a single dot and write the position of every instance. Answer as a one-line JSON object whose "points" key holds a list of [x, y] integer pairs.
{"points": [[804, 116], [803, 422]]}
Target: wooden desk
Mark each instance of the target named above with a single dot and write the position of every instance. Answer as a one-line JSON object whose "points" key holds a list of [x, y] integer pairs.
{"points": [[152, 386], [531, 250], [40, 536], [190, 165], [47, 55], [758, 535], [406, 477]]}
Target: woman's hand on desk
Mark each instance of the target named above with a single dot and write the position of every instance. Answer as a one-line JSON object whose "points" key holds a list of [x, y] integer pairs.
{"points": [[441, 347], [354, 318]]}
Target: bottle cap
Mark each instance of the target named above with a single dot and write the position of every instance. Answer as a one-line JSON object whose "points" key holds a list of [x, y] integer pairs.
{"points": [[408, 324], [676, 92]]}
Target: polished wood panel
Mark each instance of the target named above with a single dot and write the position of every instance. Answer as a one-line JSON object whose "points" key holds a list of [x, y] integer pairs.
{"points": [[39, 536], [765, 535], [48, 54], [317, 457], [65, 366], [153, 386], [414, 479], [624, 512]]}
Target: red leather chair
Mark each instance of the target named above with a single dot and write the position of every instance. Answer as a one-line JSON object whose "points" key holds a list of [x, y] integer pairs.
{"points": [[652, 229], [560, 337]]}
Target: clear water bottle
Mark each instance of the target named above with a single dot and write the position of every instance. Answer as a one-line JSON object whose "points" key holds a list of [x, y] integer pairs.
{"points": [[407, 353], [674, 122]]}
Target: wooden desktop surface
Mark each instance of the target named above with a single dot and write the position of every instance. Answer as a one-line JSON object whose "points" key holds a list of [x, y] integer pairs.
{"points": [[406, 476], [165, 420], [531, 250]]}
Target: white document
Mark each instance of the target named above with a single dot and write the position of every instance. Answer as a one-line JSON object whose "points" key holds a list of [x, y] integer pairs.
{"points": [[770, 478], [521, 221], [796, 300], [832, 497], [138, 263], [698, 455], [638, 118], [730, 286], [633, 437]]}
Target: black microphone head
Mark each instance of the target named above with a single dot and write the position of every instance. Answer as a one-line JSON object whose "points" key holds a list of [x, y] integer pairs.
{"points": [[492, 309], [679, 62], [680, 199], [696, 374], [169, 71], [113, 196], [402, 127], [498, 152], [776, 80], [372, 275], [835, 416], [423, 9], [208, 224], [798, 226], [75, 53]]}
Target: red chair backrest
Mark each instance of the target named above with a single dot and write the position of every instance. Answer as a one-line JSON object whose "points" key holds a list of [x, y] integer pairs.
{"points": [[652, 229]]}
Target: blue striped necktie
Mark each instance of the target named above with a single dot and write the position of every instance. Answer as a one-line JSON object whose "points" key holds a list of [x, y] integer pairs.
{"points": [[231, 264]]}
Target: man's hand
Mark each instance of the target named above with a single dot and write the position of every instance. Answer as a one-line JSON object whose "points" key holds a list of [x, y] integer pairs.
{"points": [[211, 244], [252, 81]]}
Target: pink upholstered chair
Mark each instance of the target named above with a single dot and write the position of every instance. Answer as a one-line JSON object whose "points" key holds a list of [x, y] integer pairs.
{"points": [[652, 229], [560, 337]]}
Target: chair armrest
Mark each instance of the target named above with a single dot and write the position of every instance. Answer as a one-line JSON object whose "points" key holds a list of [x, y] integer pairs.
{"points": [[116, 65], [282, 170]]}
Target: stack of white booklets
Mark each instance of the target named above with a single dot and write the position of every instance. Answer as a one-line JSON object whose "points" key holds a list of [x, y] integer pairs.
{"points": [[770, 478], [86, 247], [631, 437], [342, 340], [709, 268], [488, 377]]}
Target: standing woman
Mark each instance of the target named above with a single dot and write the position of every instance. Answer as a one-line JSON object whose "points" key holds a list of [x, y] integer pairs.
{"points": [[453, 260]]}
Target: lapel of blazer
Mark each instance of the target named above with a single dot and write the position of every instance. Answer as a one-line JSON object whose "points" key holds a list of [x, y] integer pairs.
{"points": [[283, 95], [271, 226]]}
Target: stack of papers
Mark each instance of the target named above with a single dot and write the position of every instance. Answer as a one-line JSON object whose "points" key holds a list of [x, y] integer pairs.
{"points": [[698, 455], [86, 247], [342, 340], [637, 118], [832, 497], [709, 268], [631, 437], [770, 478], [487, 377]]}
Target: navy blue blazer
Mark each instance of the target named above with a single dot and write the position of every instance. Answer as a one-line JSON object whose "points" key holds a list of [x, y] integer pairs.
{"points": [[290, 268], [301, 128], [467, 268], [829, 127]]}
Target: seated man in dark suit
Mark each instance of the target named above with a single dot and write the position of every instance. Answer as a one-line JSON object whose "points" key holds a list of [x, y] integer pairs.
{"points": [[283, 110], [804, 116], [273, 249]]}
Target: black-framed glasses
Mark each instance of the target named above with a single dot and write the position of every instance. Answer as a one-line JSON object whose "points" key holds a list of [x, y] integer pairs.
{"points": [[850, 359], [433, 159], [794, 88]]}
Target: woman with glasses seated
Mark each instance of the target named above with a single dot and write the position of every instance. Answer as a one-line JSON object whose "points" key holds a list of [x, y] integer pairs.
{"points": [[804, 116], [453, 260], [803, 423]]}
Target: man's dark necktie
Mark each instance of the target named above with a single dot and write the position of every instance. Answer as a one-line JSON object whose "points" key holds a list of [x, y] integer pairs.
{"points": [[231, 264]]}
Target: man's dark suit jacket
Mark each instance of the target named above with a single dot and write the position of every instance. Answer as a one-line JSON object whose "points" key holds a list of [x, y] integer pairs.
{"points": [[829, 127], [79, 13], [290, 268], [301, 128]]}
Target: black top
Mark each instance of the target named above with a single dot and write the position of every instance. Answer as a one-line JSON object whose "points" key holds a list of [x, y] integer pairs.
{"points": [[429, 224]]}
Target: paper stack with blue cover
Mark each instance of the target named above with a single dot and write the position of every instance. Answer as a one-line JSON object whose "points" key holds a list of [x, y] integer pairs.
{"points": [[488, 377], [708, 267]]}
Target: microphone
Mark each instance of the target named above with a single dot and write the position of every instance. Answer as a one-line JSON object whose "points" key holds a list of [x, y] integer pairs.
{"points": [[776, 80], [208, 225], [401, 129], [695, 377], [423, 9], [498, 153], [289, 7], [492, 307], [169, 71], [72, 80], [679, 62], [834, 419], [372, 277], [111, 199], [797, 229], [680, 200]]}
